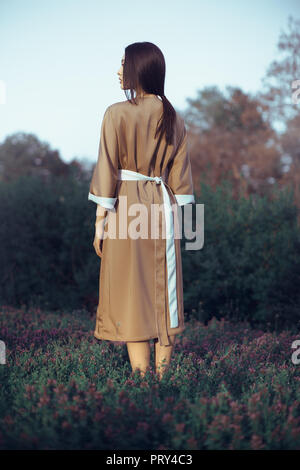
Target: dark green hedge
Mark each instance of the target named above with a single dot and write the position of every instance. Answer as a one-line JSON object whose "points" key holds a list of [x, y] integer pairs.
{"points": [[248, 268], [46, 244]]}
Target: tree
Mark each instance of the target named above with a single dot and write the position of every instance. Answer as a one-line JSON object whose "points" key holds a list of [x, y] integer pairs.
{"points": [[229, 137], [277, 84], [24, 154], [278, 98]]}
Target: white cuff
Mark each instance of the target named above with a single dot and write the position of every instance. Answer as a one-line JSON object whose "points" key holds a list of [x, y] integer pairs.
{"points": [[184, 199], [107, 202]]}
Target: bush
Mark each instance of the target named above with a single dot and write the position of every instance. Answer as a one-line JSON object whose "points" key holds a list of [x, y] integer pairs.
{"points": [[248, 269], [249, 266], [47, 256]]}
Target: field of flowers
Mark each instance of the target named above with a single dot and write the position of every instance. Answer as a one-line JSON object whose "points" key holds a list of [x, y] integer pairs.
{"points": [[228, 387]]}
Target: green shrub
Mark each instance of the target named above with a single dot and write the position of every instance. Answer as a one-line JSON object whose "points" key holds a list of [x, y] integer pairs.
{"points": [[46, 236], [249, 266], [248, 269]]}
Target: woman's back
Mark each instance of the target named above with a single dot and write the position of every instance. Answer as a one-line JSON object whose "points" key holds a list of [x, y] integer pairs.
{"points": [[140, 270], [139, 149]]}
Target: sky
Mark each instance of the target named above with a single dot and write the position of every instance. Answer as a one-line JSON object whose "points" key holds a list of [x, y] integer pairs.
{"points": [[59, 59]]}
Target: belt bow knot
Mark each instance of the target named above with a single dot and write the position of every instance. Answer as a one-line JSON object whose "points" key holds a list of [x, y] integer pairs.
{"points": [[157, 179]]}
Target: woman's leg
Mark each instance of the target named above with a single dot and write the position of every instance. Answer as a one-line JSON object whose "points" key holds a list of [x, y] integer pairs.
{"points": [[139, 355], [163, 356]]}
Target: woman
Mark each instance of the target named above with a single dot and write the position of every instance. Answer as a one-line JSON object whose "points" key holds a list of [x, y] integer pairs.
{"points": [[143, 160]]}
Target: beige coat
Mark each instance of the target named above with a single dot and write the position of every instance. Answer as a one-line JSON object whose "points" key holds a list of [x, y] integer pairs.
{"points": [[133, 284]]}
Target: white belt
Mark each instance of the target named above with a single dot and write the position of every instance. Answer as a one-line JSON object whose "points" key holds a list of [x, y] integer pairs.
{"points": [[170, 245]]}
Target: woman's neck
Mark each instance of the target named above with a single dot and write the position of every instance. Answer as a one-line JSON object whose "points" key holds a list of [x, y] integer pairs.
{"points": [[144, 95]]}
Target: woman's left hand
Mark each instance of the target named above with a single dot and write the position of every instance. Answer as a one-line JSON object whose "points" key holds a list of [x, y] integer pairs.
{"points": [[99, 235], [98, 245]]}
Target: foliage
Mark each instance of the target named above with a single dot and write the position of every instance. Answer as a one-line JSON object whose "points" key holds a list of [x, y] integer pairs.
{"points": [[46, 251], [228, 387], [249, 266]]}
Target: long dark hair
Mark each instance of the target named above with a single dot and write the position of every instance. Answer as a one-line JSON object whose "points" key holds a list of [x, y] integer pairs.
{"points": [[144, 68]]}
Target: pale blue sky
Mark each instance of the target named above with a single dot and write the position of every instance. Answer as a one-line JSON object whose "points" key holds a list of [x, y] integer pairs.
{"points": [[59, 59]]}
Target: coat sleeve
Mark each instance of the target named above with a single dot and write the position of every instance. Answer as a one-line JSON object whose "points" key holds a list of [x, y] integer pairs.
{"points": [[104, 179], [180, 173]]}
